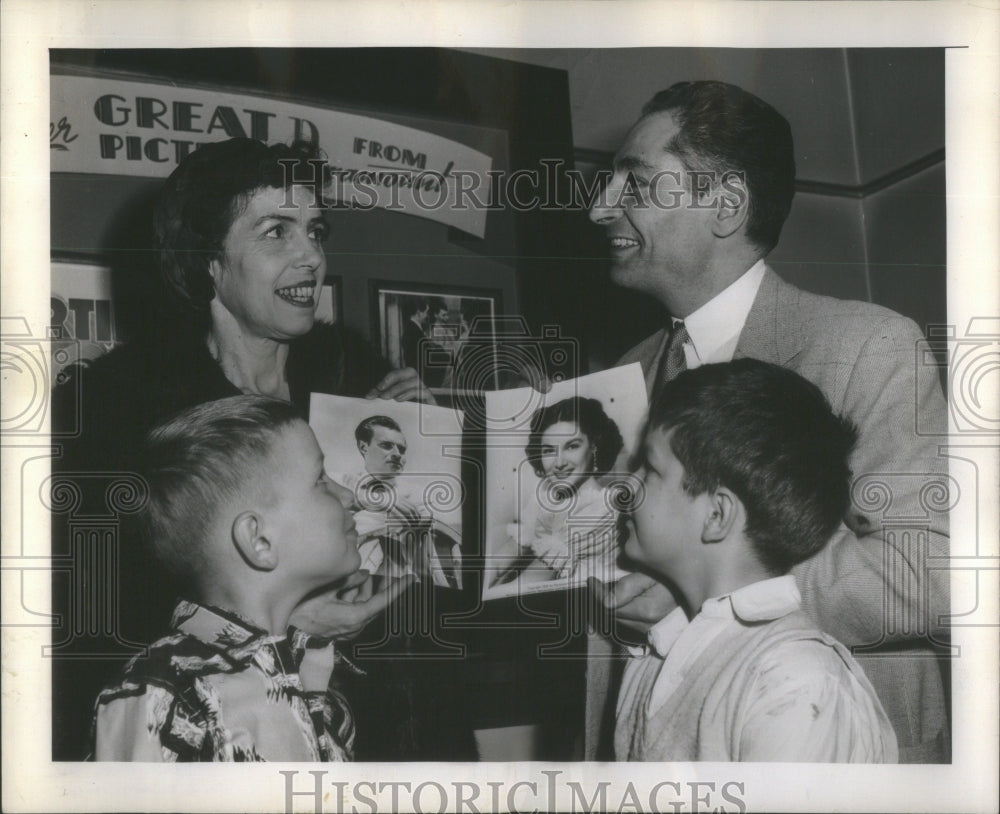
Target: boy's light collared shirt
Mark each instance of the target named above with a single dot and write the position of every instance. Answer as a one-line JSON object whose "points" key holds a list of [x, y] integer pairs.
{"points": [[809, 703], [680, 642], [715, 328]]}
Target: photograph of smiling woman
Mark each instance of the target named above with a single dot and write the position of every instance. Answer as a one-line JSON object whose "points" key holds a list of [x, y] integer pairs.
{"points": [[572, 444], [556, 481]]}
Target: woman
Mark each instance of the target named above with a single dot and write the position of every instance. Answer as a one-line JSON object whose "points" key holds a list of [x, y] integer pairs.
{"points": [[568, 523], [240, 254]]}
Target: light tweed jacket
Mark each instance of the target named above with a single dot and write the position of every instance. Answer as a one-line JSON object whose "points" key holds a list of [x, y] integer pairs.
{"points": [[881, 586]]}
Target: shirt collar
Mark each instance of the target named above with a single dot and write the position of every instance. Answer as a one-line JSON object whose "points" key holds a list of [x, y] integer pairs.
{"points": [[239, 639], [758, 602], [714, 328], [231, 634], [664, 633]]}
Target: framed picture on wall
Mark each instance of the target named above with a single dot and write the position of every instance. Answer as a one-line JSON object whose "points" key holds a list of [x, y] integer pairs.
{"points": [[331, 299], [447, 334], [82, 325]]}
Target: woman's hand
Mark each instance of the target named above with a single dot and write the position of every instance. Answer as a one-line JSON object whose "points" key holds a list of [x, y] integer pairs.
{"points": [[343, 612], [401, 385], [553, 552], [598, 540], [638, 600]]}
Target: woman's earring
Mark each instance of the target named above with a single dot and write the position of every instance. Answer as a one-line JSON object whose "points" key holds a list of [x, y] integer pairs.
{"points": [[593, 459]]}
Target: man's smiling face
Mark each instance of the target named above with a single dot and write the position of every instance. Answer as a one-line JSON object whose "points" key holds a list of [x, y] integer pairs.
{"points": [[659, 234]]}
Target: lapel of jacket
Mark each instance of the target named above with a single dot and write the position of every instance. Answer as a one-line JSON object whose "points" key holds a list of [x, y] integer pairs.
{"points": [[772, 332]]}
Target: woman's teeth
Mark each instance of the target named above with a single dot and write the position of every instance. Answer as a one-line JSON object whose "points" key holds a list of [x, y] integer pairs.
{"points": [[297, 295]]}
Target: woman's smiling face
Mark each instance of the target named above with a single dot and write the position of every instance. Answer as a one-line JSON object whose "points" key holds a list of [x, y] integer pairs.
{"points": [[566, 453], [273, 264]]}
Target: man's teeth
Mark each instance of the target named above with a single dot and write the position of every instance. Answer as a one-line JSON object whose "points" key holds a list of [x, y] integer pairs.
{"points": [[623, 242], [297, 294]]}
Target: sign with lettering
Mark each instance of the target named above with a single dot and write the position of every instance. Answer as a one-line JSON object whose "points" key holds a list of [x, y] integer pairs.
{"points": [[120, 127]]}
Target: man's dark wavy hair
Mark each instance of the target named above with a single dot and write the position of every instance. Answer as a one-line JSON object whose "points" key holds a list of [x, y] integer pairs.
{"points": [[203, 197], [723, 128], [769, 436]]}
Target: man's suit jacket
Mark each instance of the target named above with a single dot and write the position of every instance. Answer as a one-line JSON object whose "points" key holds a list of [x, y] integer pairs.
{"points": [[881, 585], [410, 343]]}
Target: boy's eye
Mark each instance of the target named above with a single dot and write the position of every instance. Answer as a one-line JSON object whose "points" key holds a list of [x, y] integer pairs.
{"points": [[319, 233], [276, 232]]}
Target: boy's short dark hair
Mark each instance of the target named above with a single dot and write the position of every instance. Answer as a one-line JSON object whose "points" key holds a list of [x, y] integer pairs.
{"points": [[195, 460], [771, 437]]}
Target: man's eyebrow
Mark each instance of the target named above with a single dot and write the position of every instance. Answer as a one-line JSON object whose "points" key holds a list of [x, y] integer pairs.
{"points": [[627, 163]]}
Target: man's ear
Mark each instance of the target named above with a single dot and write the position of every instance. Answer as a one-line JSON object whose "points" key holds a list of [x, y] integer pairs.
{"points": [[363, 448], [724, 512], [254, 546], [732, 201]]}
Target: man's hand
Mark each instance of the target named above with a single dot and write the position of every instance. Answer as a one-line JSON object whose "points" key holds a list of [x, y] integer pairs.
{"points": [[638, 600], [401, 385], [343, 612]]}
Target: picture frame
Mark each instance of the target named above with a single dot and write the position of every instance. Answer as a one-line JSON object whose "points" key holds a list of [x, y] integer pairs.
{"points": [[447, 333], [82, 324], [331, 299]]}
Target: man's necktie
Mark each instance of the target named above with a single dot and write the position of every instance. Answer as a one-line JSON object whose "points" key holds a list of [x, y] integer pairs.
{"points": [[674, 361]]}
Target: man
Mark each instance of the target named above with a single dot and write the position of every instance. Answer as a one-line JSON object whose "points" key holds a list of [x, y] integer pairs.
{"points": [[392, 521], [382, 446], [414, 330], [418, 332], [701, 188]]}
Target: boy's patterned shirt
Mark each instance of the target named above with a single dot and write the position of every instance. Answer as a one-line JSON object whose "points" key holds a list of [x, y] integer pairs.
{"points": [[217, 688]]}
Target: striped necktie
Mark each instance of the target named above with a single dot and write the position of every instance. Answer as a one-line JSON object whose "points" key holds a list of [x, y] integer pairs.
{"points": [[673, 361]]}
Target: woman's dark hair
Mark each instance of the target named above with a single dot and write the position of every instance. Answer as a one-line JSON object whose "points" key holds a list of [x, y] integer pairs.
{"points": [[589, 416], [204, 196]]}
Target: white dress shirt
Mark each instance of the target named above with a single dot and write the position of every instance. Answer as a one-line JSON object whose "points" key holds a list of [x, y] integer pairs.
{"points": [[715, 328]]}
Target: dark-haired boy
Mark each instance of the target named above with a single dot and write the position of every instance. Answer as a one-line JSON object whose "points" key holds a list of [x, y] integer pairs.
{"points": [[745, 474], [232, 681]]}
